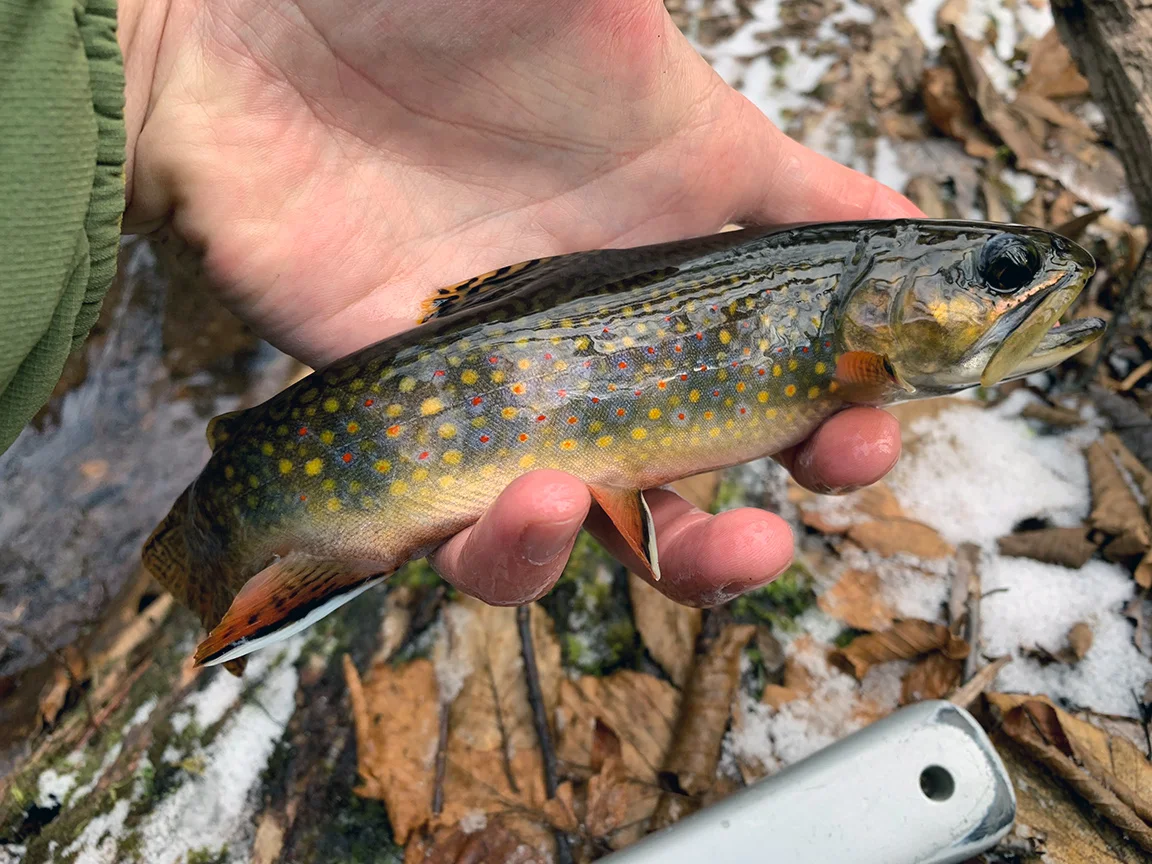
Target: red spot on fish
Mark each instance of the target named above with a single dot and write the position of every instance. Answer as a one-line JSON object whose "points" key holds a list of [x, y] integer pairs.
{"points": [[636, 392], [423, 456], [476, 400], [622, 365], [572, 421], [523, 436], [611, 388], [804, 350], [587, 364], [699, 336], [484, 439], [667, 317], [662, 384], [595, 400], [715, 392], [619, 412], [393, 431], [651, 350], [735, 363], [679, 416], [541, 418], [605, 331], [743, 410], [827, 344], [703, 367], [683, 377], [303, 430], [759, 371], [303, 497], [369, 402], [678, 348], [547, 356], [779, 350], [347, 457], [561, 393], [493, 360], [439, 373]]}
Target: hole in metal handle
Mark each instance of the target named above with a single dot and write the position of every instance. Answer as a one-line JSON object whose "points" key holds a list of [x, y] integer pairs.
{"points": [[937, 783]]}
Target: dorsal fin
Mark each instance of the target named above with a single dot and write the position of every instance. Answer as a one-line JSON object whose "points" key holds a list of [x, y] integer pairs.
{"points": [[223, 427]]}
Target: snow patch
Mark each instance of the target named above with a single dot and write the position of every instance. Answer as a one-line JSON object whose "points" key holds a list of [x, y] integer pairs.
{"points": [[97, 843], [53, 787]]}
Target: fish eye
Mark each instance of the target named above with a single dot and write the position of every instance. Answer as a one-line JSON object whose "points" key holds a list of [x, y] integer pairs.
{"points": [[1008, 263]]}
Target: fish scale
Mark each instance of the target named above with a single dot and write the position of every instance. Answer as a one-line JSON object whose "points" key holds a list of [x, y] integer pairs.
{"points": [[627, 368]]}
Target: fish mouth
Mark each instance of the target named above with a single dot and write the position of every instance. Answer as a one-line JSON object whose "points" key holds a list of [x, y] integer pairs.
{"points": [[1033, 338]]}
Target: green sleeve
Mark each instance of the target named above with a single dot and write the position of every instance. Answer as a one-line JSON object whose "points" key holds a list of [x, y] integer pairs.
{"points": [[61, 189]]}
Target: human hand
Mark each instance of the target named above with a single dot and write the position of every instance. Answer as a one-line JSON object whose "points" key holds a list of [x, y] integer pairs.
{"points": [[334, 164]]}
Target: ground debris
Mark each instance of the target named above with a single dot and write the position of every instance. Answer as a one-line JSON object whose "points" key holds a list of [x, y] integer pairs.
{"points": [[907, 639], [1068, 547]]}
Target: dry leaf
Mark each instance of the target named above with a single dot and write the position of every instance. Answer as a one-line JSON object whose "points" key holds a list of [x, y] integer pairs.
{"points": [[616, 800], [498, 842], [1046, 109], [1140, 475], [924, 192], [855, 599], [932, 677], [668, 628], [1107, 771], [1068, 547], [68, 674], [952, 112], [1080, 640], [889, 538], [397, 718], [1053, 416], [1115, 509], [908, 638], [705, 710], [1051, 71], [798, 683]]}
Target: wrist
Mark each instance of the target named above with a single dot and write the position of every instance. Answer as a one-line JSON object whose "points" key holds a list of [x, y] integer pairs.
{"points": [[139, 27]]}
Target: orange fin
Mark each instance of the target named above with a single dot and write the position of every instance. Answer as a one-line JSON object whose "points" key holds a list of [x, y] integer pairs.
{"points": [[453, 298], [630, 514], [289, 595], [863, 376]]}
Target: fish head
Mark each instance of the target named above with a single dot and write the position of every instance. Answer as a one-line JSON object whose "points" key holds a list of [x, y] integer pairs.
{"points": [[951, 305]]}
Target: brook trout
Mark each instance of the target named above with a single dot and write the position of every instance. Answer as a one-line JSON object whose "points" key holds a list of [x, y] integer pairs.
{"points": [[627, 368]]}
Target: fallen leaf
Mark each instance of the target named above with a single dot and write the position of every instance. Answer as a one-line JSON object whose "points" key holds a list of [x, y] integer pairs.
{"points": [[68, 676], [894, 537], [1053, 416], [924, 192], [497, 842], [616, 800], [906, 639], [396, 713], [1108, 772], [1115, 509], [668, 628], [1140, 475], [856, 600], [933, 676], [1048, 110], [1051, 71], [1068, 547], [952, 112], [1080, 639], [705, 711], [798, 682], [966, 695]]}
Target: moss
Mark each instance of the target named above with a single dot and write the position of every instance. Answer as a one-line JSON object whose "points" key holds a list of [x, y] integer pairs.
{"points": [[779, 602], [844, 637], [204, 855]]}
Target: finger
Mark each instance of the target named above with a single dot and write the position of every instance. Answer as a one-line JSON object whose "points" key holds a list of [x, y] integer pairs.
{"points": [[705, 560], [797, 184], [517, 550], [851, 449]]}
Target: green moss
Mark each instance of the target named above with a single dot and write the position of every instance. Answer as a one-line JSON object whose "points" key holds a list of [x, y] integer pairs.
{"points": [[844, 637], [205, 855], [779, 602]]}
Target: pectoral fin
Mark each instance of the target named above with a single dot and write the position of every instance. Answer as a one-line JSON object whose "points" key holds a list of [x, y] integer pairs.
{"points": [[630, 514], [289, 595], [865, 377]]}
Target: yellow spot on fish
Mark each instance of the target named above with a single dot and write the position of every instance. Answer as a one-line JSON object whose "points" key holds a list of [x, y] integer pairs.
{"points": [[792, 364], [452, 457], [267, 449], [353, 428], [728, 424], [568, 444], [560, 366], [447, 431], [407, 384], [229, 471], [394, 410], [833, 386], [740, 386], [762, 395], [654, 414], [770, 413], [420, 474], [639, 433], [604, 441], [479, 422], [355, 486], [309, 395], [446, 481], [331, 405], [665, 442], [431, 406], [356, 384], [327, 436], [468, 376], [254, 481], [332, 504], [694, 396], [628, 342], [790, 390], [488, 471], [581, 342], [725, 337], [497, 377], [252, 500], [566, 323], [313, 467], [524, 363], [285, 466], [508, 413], [722, 375], [595, 426], [383, 466], [813, 392], [777, 371], [527, 460], [820, 368], [328, 485]]}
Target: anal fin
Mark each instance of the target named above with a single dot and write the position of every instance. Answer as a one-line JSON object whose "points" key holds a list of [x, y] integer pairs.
{"points": [[290, 595], [629, 513]]}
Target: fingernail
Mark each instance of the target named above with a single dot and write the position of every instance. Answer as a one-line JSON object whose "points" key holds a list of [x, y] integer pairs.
{"points": [[825, 489], [543, 541]]}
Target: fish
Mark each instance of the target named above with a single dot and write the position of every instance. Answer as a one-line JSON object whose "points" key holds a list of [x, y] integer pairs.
{"points": [[627, 368]]}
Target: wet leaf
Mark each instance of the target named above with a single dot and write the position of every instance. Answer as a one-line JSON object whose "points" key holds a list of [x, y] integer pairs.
{"points": [[397, 715], [903, 536], [1068, 547], [856, 600], [908, 638], [933, 676], [668, 628]]}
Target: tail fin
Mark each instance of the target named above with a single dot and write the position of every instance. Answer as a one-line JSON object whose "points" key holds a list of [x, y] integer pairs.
{"points": [[168, 558]]}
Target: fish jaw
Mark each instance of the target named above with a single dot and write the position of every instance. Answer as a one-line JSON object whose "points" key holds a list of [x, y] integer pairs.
{"points": [[1057, 345]]}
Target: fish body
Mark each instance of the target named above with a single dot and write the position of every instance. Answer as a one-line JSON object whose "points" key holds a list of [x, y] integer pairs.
{"points": [[626, 368]]}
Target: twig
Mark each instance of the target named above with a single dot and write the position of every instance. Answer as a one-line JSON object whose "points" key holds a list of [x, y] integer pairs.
{"points": [[966, 596], [540, 721], [1144, 709], [967, 695], [441, 761]]}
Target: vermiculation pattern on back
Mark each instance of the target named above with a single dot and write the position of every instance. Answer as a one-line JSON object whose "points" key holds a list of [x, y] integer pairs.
{"points": [[611, 365]]}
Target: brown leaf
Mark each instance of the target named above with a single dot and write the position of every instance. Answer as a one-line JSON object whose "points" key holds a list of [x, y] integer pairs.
{"points": [[952, 112], [705, 710], [1046, 109], [931, 677], [908, 638], [1068, 547], [1107, 771], [855, 599], [924, 192], [1140, 475], [1051, 71], [397, 717], [668, 628], [616, 799], [888, 538], [1115, 509], [1053, 416], [67, 677], [1080, 639], [972, 689], [498, 842]]}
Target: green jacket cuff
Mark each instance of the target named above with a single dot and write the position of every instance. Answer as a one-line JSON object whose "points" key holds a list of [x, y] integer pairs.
{"points": [[62, 148]]}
